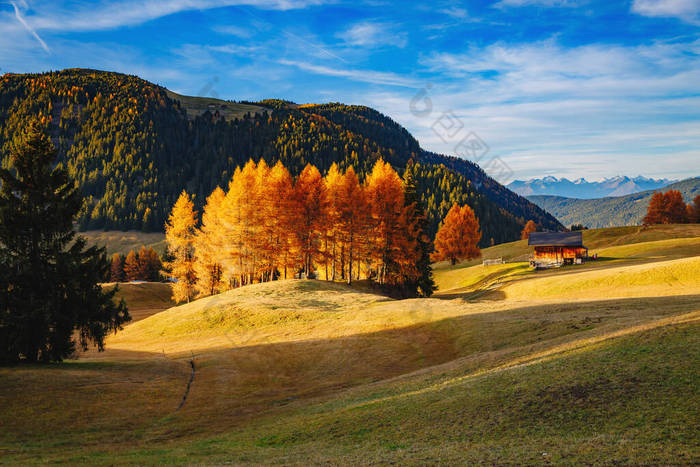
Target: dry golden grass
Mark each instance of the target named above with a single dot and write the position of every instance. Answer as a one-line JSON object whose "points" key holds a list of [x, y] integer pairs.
{"points": [[122, 242], [304, 372], [144, 298], [658, 279]]}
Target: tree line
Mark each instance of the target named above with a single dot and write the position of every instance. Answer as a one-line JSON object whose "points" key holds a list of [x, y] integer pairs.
{"points": [[269, 225], [670, 208]]}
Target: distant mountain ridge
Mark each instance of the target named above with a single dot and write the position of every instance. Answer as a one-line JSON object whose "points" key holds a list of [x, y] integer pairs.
{"points": [[583, 189], [610, 211]]}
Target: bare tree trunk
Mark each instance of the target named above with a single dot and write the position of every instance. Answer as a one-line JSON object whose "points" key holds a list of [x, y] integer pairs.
{"points": [[350, 261], [342, 262], [334, 266]]}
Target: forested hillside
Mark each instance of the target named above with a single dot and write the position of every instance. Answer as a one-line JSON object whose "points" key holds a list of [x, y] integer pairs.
{"points": [[133, 147], [611, 211]]}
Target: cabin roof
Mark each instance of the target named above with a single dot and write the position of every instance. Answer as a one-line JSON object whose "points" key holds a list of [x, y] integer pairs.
{"points": [[555, 239]]}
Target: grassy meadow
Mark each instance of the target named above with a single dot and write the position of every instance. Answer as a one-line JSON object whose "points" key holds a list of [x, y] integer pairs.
{"points": [[123, 242], [584, 364]]}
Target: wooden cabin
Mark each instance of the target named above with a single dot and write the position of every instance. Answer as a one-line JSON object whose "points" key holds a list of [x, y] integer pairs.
{"points": [[557, 248]]}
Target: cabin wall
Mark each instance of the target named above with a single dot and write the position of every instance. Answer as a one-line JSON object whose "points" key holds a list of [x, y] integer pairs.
{"points": [[558, 253]]}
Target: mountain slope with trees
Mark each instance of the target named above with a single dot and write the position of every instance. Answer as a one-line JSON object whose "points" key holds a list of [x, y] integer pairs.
{"points": [[133, 146], [612, 211]]}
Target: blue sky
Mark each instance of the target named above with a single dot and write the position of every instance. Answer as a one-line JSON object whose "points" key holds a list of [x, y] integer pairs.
{"points": [[553, 87]]}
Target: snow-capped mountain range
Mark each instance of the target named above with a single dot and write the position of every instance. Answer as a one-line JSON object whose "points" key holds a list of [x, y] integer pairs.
{"points": [[581, 188]]}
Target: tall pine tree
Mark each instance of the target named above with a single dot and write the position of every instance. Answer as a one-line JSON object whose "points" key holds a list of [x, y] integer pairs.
{"points": [[50, 298], [424, 284]]}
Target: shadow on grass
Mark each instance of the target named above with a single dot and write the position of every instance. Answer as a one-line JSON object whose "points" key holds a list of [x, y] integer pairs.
{"points": [[235, 385]]}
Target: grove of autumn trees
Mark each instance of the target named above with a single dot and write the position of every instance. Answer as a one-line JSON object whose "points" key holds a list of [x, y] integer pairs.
{"points": [[669, 208], [142, 266], [132, 147], [50, 297], [269, 225]]}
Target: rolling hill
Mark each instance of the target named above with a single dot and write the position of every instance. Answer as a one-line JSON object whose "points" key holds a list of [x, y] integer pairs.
{"points": [[133, 146], [612, 211], [308, 372]]}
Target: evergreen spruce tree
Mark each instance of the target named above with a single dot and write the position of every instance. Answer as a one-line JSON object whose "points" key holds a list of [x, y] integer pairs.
{"points": [[49, 292], [424, 285]]}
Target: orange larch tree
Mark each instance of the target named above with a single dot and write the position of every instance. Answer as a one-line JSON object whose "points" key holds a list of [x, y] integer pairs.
{"points": [[131, 267], [278, 216], [385, 198], [116, 271], [239, 219], [149, 264], [694, 210], [208, 244], [261, 225], [179, 235], [332, 240], [309, 221], [530, 227], [458, 236], [352, 218], [666, 208]]}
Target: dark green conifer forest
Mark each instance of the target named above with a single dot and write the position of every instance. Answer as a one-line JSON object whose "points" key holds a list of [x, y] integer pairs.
{"points": [[133, 146]]}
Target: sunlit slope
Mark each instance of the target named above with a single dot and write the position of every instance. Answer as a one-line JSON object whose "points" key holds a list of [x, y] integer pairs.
{"points": [[594, 239], [144, 298], [615, 247], [252, 314], [657, 279]]}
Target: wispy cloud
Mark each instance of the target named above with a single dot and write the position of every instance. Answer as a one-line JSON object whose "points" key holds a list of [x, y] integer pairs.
{"points": [[546, 108], [31, 30], [114, 14], [231, 30], [455, 12], [686, 10], [365, 76], [374, 34], [541, 3]]}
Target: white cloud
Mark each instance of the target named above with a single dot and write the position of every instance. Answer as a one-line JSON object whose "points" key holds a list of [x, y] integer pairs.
{"points": [[365, 76], [545, 109], [24, 24], [372, 34], [114, 14], [233, 31], [455, 12], [234, 49], [541, 3], [686, 10]]}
